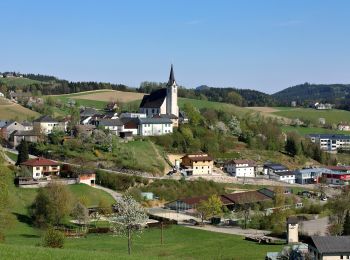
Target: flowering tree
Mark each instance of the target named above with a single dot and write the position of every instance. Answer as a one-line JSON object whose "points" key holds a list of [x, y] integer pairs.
{"points": [[129, 219]]}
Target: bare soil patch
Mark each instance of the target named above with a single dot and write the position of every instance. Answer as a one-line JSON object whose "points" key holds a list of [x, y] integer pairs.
{"points": [[112, 95]]}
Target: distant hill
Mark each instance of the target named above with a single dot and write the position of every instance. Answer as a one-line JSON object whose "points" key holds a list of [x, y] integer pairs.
{"points": [[306, 94]]}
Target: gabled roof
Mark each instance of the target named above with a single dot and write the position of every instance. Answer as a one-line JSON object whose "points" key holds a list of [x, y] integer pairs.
{"points": [[155, 99], [331, 244], [40, 161], [26, 133], [45, 119], [247, 197], [284, 173], [130, 123], [89, 111], [275, 166]]}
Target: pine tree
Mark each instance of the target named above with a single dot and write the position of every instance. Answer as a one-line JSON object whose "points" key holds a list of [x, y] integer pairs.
{"points": [[346, 226], [22, 152]]}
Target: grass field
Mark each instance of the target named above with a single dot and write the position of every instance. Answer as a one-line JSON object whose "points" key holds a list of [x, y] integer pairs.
{"points": [[12, 156], [16, 112], [333, 116], [311, 130]]}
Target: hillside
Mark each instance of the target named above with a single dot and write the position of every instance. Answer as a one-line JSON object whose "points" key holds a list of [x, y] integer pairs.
{"points": [[338, 94], [10, 110], [18, 82]]}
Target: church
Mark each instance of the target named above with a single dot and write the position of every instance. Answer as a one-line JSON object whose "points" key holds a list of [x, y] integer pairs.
{"points": [[162, 103]]}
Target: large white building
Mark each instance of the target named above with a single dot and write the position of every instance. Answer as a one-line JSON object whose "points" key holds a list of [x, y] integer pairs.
{"points": [[154, 126], [46, 124], [241, 168], [162, 101], [330, 142]]}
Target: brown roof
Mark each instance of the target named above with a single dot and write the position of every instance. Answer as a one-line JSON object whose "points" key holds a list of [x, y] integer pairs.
{"points": [[247, 197], [40, 161], [196, 200], [196, 157], [338, 168]]}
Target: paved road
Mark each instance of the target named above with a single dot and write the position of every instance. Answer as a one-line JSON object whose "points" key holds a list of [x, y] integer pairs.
{"points": [[116, 195], [314, 227], [232, 230]]}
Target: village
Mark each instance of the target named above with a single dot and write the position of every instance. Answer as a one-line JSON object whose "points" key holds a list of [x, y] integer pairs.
{"points": [[159, 115]]}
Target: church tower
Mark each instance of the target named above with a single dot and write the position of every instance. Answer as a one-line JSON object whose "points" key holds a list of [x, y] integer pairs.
{"points": [[171, 97]]}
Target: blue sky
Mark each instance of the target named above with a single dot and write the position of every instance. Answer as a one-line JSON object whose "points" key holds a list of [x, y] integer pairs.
{"points": [[263, 45]]}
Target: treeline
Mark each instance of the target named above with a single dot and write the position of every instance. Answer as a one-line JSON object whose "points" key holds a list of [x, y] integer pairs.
{"points": [[239, 97], [308, 94]]}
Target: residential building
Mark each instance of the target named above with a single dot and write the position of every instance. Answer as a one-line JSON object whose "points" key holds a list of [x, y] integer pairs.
{"points": [[86, 120], [326, 106], [112, 106], [154, 126], [110, 115], [270, 168], [285, 176], [46, 124], [197, 164], [130, 125], [87, 178], [27, 125], [28, 135], [329, 247], [162, 101], [337, 175], [309, 175], [9, 128], [331, 142], [89, 111], [241, 168], [113, 125], [41, 167], [183, 119]]}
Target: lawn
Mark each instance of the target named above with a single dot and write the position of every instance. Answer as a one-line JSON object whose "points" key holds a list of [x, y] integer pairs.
{"points": [[12, 156], [179, 243], [17, 112], [19, 82], [333, 116]]}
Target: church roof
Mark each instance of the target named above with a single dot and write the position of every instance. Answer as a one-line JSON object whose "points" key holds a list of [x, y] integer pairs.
{"points": [[155, 99], [171, 77]]}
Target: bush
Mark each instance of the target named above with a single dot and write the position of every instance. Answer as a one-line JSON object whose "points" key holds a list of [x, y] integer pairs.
{"points": [[53, 238]]}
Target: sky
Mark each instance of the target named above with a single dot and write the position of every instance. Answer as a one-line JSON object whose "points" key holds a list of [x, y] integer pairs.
{"points": [[263, 45]]}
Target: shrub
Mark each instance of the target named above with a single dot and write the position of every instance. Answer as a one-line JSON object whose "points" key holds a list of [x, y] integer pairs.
{"points": [[53, 238]]}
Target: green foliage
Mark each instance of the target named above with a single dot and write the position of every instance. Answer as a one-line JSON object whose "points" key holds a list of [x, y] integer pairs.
{"points": [[53, 238], [118, 182], [172, 189], [212, 207], [52, 204], [23, 154]]}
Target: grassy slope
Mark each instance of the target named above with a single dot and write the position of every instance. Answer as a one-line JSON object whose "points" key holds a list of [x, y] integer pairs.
{"points": [[20, 82], [312, 130], [16, 112], [333, 116]]}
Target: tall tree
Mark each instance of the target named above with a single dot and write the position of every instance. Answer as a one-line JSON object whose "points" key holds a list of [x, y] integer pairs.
{"points": [[130, 218], [210, 208], [23, 154], [346, 226]]}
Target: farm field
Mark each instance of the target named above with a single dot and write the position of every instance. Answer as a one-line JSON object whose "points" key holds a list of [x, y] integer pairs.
{"points": [[16, 112]]}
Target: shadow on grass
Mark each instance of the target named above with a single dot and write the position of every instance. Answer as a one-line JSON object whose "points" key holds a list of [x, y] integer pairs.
{"points": [[24, 218], [29, 236]]}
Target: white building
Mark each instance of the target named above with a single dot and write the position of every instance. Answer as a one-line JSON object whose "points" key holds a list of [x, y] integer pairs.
{"points": [[41, 167], [330, 142], [46, 124], [132, 115], [286, 176], [114, 125], [154, 126], [343, 127], [162, 101], [241, 168]]}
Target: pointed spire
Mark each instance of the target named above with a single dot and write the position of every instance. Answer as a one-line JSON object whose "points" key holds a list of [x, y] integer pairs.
{"points": [[171, 77]]}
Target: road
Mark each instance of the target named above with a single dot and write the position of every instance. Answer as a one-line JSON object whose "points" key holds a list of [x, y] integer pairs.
{"points": [[232, 230]]}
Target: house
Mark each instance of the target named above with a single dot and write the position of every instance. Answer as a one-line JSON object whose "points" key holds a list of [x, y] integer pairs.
{"points": [[174, 119], [196, 164], [113, 125], [2, 94], [154, 126], [270, 168], [9, 128], [162, 101], [329, 247], [85, 120], [111, 106], [46, 124], [89, 111], [84, 130], [285, 176], [343, 127], [183, 119], [241, 168], [309, 175], [28, 135], [27, 125], [320, 106], [130, 125], [331, 142], [110, 115], [41, 167]]}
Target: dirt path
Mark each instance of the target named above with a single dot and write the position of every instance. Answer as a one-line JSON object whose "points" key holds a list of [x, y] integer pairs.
{"points": [[167, 167]]}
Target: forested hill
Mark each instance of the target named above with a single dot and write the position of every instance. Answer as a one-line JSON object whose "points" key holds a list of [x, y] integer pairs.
{"points": [[306, 94]]}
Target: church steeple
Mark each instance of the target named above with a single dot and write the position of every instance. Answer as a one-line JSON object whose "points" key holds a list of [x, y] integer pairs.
{"points": [[171, 77]]}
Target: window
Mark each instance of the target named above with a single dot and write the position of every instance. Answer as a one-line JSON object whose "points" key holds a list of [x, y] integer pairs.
{"points": [[37, 168]]}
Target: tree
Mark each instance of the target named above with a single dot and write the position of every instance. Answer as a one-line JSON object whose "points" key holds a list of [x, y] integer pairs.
{"points": [[23, 154], [346, 226], [80, 213], [292, 145], [210, 208], [53, 238], [234, 126], [129, 219], [51, 205]]}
